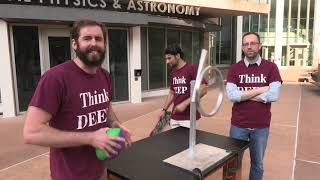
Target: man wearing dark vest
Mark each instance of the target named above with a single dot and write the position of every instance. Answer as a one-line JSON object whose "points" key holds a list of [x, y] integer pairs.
{"points": [[252, 84]]}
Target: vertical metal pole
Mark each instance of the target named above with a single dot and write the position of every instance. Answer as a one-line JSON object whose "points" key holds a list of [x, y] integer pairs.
{"points": [[193, 109], [193, 104]]}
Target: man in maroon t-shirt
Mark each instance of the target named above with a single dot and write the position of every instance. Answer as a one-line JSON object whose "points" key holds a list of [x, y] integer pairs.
{"points": [[71, 110], [252, 84], [179, 94]]}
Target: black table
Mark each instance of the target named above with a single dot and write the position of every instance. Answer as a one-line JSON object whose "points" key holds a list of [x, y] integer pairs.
{"points": [[144, 159]]}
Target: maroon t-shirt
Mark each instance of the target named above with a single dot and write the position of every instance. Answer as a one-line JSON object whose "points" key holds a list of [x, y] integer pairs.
{"points": [[180, 84], [77, 102], [252, 114]]}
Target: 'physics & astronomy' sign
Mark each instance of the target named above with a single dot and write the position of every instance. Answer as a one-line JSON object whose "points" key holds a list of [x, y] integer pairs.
{"points": [[140, 6]]}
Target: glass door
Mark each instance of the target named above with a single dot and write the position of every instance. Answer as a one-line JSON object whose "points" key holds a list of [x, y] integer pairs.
{"points": [[118, 63], [56, 47], [25, 50]]}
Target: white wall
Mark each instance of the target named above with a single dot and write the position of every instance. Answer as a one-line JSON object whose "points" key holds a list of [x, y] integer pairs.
{"points": [[6, 80], [135, 63], [279, 32], [239, 38], [316, 35]]}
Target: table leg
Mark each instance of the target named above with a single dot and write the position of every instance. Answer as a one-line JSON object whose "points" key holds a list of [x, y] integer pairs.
{"points": [[232, 170]]}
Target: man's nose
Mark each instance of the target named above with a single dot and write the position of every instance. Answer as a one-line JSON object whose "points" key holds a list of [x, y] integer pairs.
{"points": [[167, 61], [93, 42]]}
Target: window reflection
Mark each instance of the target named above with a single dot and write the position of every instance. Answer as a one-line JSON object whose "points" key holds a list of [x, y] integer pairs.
{"points": [[156, 39], [27, 62], [118, 61], [297, 28], [157, 66]]}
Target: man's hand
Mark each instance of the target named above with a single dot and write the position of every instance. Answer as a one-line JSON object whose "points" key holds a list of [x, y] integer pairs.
{"points": [[108, 144], [180, 108], [127, 134]]}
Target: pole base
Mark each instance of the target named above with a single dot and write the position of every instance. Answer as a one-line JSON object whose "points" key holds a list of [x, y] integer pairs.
{"points": [[202, 157]]}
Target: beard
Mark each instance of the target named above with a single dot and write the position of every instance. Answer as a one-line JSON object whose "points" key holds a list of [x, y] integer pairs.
{"points": [[172, 66], [91, 57], [251, 55]]}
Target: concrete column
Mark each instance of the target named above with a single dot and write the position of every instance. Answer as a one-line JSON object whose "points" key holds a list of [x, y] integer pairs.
{"points": [[6, 80], [316, 35], [239, 38], [135, 63], [279, 32]]}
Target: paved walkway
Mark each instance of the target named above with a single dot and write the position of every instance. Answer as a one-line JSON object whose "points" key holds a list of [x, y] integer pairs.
{"points": [[293, 152]]}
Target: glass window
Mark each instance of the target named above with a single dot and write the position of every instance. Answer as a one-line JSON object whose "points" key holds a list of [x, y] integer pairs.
{"points": [[212, 47], [272, 23], [173, 37], [59, 50], [285, 15], [293, 25], [263, 23], [196, 43], [217, 49], [310, 30], [303, 10], [310, 57], [255, 23], [226, 41], [271, 53], [245, 24], [158, 39], [286, 8], [294, 8], [27, 62], [157, 66], [186, 45], [312, 8], [144, 59], [284, 56], [118, 63]]}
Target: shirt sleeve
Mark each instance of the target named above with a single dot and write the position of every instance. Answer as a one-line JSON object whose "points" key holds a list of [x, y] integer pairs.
{"points": [[233, 93], [231, 77], [48, 94], [272, 94], [275, 74]]}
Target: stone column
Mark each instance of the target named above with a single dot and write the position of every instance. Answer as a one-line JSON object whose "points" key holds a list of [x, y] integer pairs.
{"points": [[7, 105]]}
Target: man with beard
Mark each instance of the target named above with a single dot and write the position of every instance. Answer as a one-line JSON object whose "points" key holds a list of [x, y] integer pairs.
{"points": [[181, 75], [71, 109], [252, 84]]}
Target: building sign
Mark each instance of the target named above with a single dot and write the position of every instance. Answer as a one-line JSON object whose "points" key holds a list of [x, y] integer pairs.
{"points": [[141, 6]]}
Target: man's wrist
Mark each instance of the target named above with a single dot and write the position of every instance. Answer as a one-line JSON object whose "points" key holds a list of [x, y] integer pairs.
{"points": [[115, 124]]}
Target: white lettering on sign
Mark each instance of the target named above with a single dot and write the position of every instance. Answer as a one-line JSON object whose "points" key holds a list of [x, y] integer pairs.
{"points": [[131, 5], [163, 8]]}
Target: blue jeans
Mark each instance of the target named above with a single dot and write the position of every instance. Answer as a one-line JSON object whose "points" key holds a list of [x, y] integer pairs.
{"points": [[258, 142]]}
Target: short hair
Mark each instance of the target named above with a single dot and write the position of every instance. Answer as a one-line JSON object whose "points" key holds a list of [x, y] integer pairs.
{"points": [[78, 25], [174, 50], [253, 33]]}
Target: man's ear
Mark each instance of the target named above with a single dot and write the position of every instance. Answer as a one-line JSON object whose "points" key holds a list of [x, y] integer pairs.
{"points": [[74, 44], [178, 56]]}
